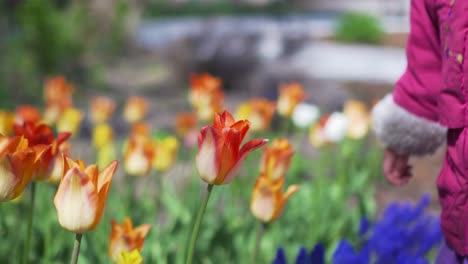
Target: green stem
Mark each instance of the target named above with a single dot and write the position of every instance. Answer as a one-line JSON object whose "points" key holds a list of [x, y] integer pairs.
{"points": [[76, 249], [260, 231], [196, 227], [30, 222]]}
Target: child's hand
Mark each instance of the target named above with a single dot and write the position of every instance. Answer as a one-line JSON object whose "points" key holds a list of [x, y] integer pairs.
{"points": [[396, 169]]}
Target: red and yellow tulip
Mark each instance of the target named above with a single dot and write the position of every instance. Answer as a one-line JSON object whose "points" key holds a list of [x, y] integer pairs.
{"points": [[165, 153], [126, 238], [57, 97], [206, 96], [268, 199], [101, 109], [139, 152], [135, 109], [82, 194], [276, 159], [258, 111], [42, 134], [18, 162], [219, 149], [290, 95]]}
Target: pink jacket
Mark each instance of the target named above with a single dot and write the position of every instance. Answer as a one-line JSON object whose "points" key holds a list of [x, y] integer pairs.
{"points": [[432, 95]]}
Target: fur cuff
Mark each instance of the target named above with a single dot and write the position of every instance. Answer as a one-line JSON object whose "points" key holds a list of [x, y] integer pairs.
{"points": [[405, 132]]}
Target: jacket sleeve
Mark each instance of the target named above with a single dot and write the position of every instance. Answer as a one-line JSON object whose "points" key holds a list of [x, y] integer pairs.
{"points": [[407, 120]]}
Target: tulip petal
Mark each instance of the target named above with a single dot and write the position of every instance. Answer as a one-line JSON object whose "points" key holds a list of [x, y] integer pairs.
{"points": [[207, 160], [244, 151], [76, 201]]}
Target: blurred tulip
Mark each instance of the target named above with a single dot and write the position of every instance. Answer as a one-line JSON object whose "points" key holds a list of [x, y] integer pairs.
{"points": [[106, 154], [140, 129], [336, 126], [7, 121], [258, 111], [219, 154], [27, 113], [139, 154], [125, 238], [57, 97], [58, 91], [82, 195], [276, 159], [102, 135], [317, 134], [305, 115], [358, 119], [38, 134], [70, 121], [268, 199], [290, 96], [206, 96], [185, 123], [18, 162], [165, 153], [136, 109], [132, 257], [101, 109]]}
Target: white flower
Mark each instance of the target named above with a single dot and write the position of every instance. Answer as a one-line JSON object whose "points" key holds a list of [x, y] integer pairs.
{"points": [[305, 115], [336, 126]]}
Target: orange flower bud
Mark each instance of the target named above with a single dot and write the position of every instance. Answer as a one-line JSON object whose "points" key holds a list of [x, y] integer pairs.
{"points": [[289, 96], [58, 98], [206, 95], [185, 123], [125, 238], [268, 199], [82, 194], [219, 149], [139, 152]]}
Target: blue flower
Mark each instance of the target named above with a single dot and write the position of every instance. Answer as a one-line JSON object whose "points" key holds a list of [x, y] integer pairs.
{"points": [[280, 257], [345, 254], [317, 256]]}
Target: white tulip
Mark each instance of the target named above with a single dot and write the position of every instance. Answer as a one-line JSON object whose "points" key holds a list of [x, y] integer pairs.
{"points": [[305, 115]]}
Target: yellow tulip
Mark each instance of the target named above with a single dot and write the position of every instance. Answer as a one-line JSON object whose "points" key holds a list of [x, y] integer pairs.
{"points": [[70, 120], [82, 195], [7, 121], [165, 153], [103, 135], [132, 257], [268, 200]]}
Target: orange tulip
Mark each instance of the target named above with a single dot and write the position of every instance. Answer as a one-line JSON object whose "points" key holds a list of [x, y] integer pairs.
{"points": [[206, 96], [27, 113], [101, 108], [38, 134], [219, 153], [139, 152], [135, 109], [57, 165], [276, 159], [185, 123], [125, 238], [18, 162], [317, 135], [82, 194], [289, 96], [268, 199], [258, 111], [7, 120], [58, 98]]}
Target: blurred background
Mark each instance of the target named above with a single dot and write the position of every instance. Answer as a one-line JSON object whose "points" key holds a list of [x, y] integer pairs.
{"points": [[338, 50]]}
